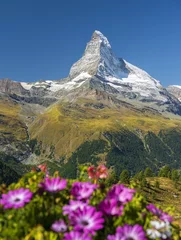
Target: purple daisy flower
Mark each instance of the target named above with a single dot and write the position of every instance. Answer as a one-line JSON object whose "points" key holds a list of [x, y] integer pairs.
{"points": [[153, 209], [121, 193], [53, 184], [59, 226], [87, 220], [166, 217], [73, 205], [111, 207], [159, 213], [126, 232], [16, 198], [82, 190], [73, 235]]}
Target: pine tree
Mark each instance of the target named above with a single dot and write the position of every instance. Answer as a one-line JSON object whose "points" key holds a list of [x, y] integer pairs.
{"points": [[148, 172], [165, 172], [175, 175]]}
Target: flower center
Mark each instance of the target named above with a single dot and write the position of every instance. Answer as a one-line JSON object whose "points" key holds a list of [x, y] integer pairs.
{"points": [[17, 200], [62, 229], [84, 222]]}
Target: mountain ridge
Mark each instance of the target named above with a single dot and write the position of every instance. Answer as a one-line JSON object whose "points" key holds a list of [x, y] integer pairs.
{"points": [[100, 69]]}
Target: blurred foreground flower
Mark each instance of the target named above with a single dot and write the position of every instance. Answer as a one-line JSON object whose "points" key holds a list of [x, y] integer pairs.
{"points": [[100, 172], [16, 198], [160, 229], [87, 220], [159, 213], [74, 235], [121, 193], [135, 232], [53, 184], [43, 168], [82, 190], [73, 205], [111, 207], [59, 226]]}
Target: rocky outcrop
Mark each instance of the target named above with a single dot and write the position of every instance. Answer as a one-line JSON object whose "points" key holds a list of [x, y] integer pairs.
{"points": [[175, 90], [10, 87]]}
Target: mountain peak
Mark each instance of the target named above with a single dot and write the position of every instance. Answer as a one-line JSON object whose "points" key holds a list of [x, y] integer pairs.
{"points": [[98, 58], [97, 35]]}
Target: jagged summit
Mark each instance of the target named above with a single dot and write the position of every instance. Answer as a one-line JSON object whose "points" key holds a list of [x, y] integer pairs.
{"points": [[119, 75], [97, 35], [98, 59]]}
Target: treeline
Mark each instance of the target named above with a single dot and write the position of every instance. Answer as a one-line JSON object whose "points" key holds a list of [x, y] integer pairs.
{"points": [[141, 177]]}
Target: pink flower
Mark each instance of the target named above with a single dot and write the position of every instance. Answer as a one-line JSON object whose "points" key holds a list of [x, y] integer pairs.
{"points": [[87, 220], [121, 193], [100, 172], [16, 198], [92, 172], [153, 209], [166, 217], [43, 168], [74, 235], [159, 213], [126, 232], [73, 205], [53, 184], [59, 226], [82, 190], [111, 207]]}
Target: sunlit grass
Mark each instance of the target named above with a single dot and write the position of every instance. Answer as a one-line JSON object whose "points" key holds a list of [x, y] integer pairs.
{"points": [[67, 126]]}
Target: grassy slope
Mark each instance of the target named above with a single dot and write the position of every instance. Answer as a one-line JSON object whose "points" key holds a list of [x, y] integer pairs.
{"points": [[10, 122], [67, 126], [166, 196]]}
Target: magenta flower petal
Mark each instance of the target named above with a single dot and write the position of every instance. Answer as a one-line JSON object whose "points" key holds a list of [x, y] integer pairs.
{"points": [[73, 205], [16, 198], [166, 217], [126, 232], [74, 235], [53, 185], [87, 220], [82, 190], [153, 209], [59, 226], [121, 193], [111, 207], [159, 213]]}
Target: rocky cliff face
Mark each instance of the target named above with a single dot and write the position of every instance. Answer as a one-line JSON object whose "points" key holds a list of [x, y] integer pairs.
{"points": [[10, 87], [175, 90]]}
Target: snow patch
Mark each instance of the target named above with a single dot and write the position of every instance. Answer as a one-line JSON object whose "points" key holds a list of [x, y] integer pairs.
{"points": [[177, 86], [26, 86]]}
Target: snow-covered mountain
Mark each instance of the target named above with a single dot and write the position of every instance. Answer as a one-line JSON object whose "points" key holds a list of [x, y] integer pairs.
{"points": [[99, 63], [101, 70], [175, 90], [99, 60]]}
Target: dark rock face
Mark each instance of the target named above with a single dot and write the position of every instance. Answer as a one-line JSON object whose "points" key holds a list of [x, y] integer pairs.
{"points": [[44, 101]]}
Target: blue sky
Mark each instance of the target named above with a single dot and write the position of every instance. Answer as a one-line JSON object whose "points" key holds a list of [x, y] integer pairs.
{"points": [[41, 39]]}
